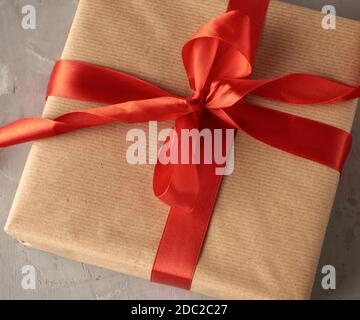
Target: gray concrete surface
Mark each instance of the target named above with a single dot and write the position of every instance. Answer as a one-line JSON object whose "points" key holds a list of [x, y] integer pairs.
{"points": [[26, 59]]}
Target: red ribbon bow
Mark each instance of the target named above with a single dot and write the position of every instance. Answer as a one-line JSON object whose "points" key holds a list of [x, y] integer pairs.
{"points": [[218, 62]]}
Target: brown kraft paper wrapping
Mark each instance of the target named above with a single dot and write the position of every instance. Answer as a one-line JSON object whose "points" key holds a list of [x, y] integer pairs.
{"points": [[79, 198]]}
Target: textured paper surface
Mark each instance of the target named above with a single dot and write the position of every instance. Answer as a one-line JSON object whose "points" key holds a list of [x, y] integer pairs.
{"points": [[79, 198]]}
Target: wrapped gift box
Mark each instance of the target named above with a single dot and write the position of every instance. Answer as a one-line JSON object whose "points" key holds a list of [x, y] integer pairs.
{"points": [[79, 198]]}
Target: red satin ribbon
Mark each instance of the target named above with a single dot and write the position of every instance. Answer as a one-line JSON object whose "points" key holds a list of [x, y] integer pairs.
{"points": [[218, 61]]}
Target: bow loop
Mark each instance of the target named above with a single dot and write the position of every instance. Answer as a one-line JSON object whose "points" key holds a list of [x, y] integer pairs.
{"points": [[175, 169], [220, 49]]}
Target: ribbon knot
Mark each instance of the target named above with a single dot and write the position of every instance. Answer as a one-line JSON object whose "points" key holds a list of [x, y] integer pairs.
{"points": [[196, 104]]}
